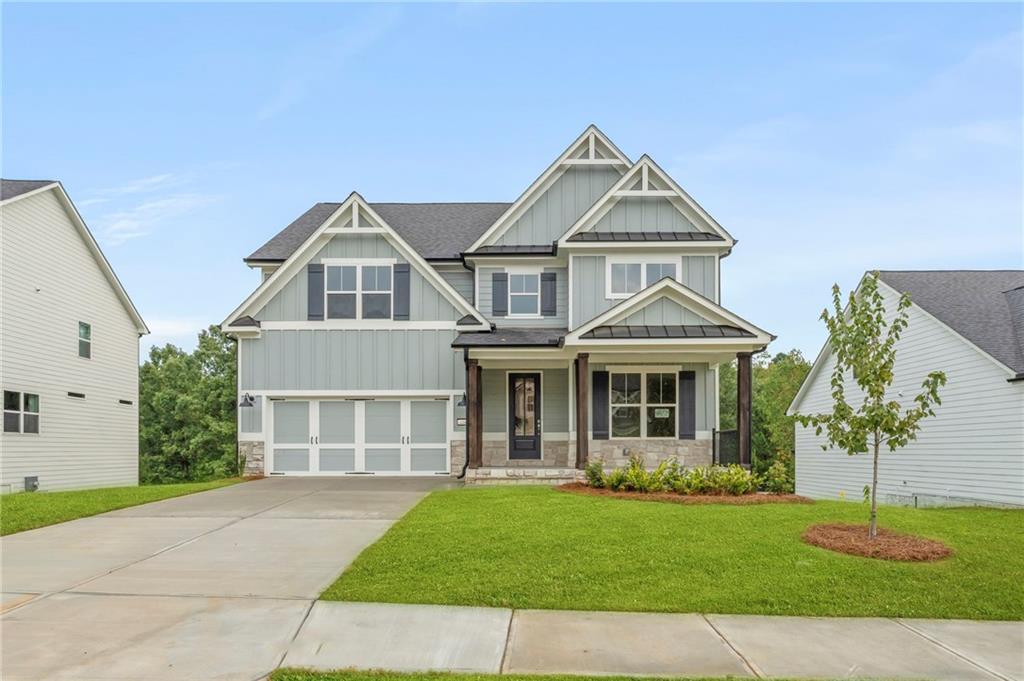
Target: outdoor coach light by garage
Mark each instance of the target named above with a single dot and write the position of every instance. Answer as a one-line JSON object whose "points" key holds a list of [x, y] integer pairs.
{"points": [[462, 400], [247, 401]]}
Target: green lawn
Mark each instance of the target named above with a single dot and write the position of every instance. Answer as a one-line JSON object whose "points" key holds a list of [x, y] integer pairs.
{"points": [[309, 675], [533, 547], [29, 510]]}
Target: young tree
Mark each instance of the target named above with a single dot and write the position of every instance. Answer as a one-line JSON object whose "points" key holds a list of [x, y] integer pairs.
{"points": [[864, 347]]}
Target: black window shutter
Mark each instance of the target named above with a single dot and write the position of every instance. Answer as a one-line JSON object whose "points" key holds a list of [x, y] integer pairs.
{"points": [[548, 282], [600, 407], [687, 396], [400, 309], [499, 294], [315, 278]]}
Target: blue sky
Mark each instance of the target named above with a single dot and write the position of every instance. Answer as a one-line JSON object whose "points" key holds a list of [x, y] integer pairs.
{"points": [[829, 139]]}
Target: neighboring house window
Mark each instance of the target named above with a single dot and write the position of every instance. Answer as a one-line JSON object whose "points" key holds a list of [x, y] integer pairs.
{"points": [[523, 295], [84, 340], [643, 405], [627, 278], [21, 412], [358, 291]]}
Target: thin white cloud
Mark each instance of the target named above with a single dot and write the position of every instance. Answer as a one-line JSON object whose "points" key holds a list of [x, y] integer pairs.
{"points": [[120, 226], [321, 59], [181, 332]]}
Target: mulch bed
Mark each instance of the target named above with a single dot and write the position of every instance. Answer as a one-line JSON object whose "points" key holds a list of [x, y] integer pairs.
{"points": [[887, 545], [673, 498]]}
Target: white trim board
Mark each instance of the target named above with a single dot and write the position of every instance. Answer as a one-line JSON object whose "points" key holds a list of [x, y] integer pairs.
{"points": [[301, 256], [585, 143]]}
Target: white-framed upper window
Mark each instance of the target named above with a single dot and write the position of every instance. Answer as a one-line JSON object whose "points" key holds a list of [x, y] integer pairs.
{"points": [[85, 340], [524, 294], [624, 277], [643, 404], [21, 412], [358, 290]]}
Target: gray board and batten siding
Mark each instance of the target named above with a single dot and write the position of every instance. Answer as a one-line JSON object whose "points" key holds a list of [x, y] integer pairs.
{"points": [[485, 299]]}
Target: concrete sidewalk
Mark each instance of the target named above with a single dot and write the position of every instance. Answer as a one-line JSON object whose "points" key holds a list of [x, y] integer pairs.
{"points": [[495, 640]]}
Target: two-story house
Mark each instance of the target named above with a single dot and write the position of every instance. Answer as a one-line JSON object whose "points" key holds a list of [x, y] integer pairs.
{"points": [[69, 349], [583, 320]]}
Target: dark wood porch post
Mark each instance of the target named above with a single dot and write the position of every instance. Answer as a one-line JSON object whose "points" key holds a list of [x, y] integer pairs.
{"points": [[743, 405], [582, 409], [474, 415]]}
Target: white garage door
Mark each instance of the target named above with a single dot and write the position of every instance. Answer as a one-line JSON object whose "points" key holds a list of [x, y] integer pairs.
{"points": [[338, 437]]}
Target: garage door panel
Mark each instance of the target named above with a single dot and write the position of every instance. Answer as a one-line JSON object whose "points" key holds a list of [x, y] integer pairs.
{"points": [[291, 423], [337, 460], [337, 422], [291, 460], [428, 421], [383, 422], [429, 460], [384, 460]]}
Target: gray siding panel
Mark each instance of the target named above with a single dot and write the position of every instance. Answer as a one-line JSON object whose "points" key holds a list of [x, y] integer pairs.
{"points": [[250, 419], [559, 320], [663, 311], [426, 302], [461, 281], [648, 214], [699, 274], [560, 206], [351, 360]]}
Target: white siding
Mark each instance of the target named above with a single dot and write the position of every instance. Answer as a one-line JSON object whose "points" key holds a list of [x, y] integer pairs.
{"points": [[972, 450], [50, 282]]}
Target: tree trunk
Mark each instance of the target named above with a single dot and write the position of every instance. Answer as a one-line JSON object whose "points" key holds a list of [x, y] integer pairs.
{"points": [[873, 525]]}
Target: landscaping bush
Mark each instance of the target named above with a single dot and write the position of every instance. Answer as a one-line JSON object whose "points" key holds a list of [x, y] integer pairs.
{"points": [[778, 479], [669, 476]]}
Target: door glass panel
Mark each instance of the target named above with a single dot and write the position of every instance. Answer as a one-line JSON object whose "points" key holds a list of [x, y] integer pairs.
{"points": [[291, 460], [337, 460], [383, 459], [337, 422], [428, 421], [429, 459], [291, 422], [525, 414], [383, 423]]}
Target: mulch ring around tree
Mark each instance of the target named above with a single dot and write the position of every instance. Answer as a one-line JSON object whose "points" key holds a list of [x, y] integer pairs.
{"points": [[887, 545], [673, 498]]}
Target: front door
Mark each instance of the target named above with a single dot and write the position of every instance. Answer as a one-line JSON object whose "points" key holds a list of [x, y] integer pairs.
{"points": [[524, 416]]}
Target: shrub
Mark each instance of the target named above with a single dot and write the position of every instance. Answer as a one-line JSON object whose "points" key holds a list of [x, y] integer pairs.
{"points": [[668, 476], [778, 479]]}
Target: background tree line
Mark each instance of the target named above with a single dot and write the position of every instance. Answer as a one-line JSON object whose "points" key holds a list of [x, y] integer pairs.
{"points": [[187, 411], [775, 382]]}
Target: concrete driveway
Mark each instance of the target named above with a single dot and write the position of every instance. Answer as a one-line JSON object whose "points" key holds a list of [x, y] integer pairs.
{"points": [[208, 586]]}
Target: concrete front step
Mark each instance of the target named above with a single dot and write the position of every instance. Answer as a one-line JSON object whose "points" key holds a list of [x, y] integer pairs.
{"points": [[522, 476]]}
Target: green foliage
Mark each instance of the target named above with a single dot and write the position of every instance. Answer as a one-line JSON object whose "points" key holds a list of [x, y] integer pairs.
{"points": [[863, 345], [594, 473], [775, 382], [779, 479], [29, 510], [670, 477], [187, 411]]}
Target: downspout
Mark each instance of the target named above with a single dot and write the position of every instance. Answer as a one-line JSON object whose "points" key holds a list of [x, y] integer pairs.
{"points": [[465, 464]]}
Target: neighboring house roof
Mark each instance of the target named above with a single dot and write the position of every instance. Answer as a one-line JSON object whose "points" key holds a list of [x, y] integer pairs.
{"points": [[972, 303], [17, 190], [12, 188], [437, 231], [512, 338], [669, 331]]}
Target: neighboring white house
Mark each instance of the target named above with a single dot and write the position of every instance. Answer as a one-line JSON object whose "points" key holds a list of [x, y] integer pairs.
{"points": [[69, 349], [969, 324]]}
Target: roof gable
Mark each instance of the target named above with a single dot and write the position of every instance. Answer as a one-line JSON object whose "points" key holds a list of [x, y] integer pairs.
{"points": [[591, 148], [19, 190], [353, 217], [647, 200]]}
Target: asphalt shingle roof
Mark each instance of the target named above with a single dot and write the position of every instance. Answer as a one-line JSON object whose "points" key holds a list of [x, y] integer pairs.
{"points": [[973, 303], [438, 231], [11, 188], [510, 338]]}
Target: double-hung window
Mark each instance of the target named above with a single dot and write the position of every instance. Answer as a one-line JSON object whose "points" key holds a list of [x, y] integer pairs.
{"points": [[84, 340], [524, 295], [643, 404], [358, 292], [628, 277], [21, 412]]}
